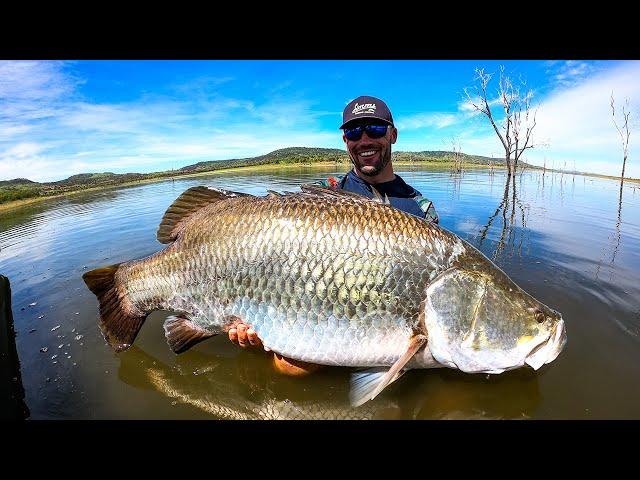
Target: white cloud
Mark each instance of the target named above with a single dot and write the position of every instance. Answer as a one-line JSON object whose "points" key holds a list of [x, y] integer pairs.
{"points": [[72, 135], [571, 72], [578, 123], [23, 150], [35, 80], [424, 120], [48, 131], [575, 120]]}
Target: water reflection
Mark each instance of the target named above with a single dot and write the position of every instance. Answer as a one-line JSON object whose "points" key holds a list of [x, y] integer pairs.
{"points": [[618, 221], [244, 387], [449, 394], [240, 389], [509, 229], [615, 236]]}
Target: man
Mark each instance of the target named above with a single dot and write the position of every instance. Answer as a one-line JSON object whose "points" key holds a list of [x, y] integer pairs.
{"points": [[368, 132]]}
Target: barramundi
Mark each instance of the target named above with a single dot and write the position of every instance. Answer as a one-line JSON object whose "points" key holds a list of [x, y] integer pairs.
{"points": [[327, 277]]}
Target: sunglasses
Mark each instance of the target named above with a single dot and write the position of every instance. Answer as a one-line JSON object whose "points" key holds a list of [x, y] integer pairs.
{"points": [[373, 131]]}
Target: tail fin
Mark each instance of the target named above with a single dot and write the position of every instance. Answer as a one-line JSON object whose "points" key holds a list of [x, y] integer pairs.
{"points": [[120, 322]]}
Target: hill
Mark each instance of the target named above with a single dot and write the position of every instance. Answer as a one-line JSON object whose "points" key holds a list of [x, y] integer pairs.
{"points": [[21, 188]]}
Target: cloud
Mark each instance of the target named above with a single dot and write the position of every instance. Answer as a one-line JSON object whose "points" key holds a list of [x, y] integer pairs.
{"points": [[425, 120], [570, 73], [35, 80], [193, 123], [49, 130], [574, 119], [578, 123], [23, 150]]}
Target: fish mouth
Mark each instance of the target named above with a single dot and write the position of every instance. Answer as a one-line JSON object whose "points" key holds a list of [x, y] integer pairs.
{"points": [[548, 351]]}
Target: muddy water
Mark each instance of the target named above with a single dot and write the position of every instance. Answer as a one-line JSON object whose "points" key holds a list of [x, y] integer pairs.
{"points": [[573, 242]]}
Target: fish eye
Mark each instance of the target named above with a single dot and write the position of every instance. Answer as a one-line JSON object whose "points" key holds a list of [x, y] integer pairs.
{"points": [[539, 316]]}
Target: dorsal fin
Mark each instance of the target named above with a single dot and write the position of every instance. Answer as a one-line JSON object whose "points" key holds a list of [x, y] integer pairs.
{"points": [[318, 190], [185, 205], [310, 188], [378, 196]]}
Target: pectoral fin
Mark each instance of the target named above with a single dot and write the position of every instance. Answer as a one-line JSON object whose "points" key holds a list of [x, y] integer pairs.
{"points": [[367, 384], [182, 333]]}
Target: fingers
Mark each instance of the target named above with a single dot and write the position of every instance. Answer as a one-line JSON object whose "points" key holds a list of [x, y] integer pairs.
{"points": [[252, 336], [244, 336], [233, 335]]}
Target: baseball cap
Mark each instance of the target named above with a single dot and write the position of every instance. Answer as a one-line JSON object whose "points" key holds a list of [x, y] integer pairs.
{"points": [[366, 107]]}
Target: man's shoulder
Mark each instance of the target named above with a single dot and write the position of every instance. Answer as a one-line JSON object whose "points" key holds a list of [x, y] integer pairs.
{"points": [[409, 195], [412, 193]]}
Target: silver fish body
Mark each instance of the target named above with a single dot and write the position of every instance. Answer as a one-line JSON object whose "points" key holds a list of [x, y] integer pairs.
{"points": [[328, 278]]}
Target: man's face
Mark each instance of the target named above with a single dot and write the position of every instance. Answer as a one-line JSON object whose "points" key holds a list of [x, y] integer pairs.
{"points": [[370, 156]]}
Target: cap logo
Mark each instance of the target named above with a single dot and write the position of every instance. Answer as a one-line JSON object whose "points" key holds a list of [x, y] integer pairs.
{"points": [[364, 108]]}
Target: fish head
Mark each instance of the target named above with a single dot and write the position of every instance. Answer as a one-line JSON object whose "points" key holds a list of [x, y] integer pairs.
{"points": [[480, 321]]}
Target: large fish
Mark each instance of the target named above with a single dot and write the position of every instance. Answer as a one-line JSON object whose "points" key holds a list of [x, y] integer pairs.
{"points": [[330, 278]]}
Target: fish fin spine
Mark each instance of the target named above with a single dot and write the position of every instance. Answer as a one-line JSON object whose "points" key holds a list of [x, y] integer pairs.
{"points": [[120, 320], [182, 333], [189, 202], [365, 382], [367, 385]]}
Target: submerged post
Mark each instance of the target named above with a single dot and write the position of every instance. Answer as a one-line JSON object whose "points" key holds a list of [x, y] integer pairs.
{"points": [[12, 406]]}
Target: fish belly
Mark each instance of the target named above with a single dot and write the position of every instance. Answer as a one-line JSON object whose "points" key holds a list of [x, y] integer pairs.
{"points": [[315, 284], [326, 337]]}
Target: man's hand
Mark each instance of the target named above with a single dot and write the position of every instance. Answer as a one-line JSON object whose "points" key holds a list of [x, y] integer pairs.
{"points": [[244, 336]]}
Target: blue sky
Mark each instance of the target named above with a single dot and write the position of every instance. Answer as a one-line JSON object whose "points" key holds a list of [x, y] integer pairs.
{"points": [[59, 118]]}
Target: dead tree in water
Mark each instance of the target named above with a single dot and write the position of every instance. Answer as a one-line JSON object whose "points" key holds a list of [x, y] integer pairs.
{"points": [[509, 228], [457, 156], [624, 132], [519, 120]]}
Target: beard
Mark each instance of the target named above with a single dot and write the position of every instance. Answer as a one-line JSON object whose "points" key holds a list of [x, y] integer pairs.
{"points": [[371, 170]]}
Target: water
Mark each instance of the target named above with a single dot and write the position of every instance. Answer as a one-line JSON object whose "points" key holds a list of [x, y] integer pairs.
{"points": [[570, 241]]}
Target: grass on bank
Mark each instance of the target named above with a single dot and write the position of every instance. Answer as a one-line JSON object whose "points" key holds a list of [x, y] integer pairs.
{"points": [[18, 192]]}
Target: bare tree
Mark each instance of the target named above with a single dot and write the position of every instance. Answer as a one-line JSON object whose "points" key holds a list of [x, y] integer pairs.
{"points": [[457, 155], [624, 131], [519, 119]]}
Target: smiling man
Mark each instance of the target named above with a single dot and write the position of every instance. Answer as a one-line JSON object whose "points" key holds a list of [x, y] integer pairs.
{"points": [[368, 132]]}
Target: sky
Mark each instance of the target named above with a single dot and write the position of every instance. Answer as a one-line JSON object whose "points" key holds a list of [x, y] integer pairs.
{"points": [[60, 118]]}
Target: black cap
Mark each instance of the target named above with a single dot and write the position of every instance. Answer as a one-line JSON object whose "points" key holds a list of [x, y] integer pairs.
{"points": [[366, 107]]}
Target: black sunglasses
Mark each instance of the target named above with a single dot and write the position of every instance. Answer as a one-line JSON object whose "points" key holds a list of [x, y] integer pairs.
{"points": [[373, 131]]}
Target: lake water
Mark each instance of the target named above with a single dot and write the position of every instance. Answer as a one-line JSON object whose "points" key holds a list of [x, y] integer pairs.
{"points": [[568, 240]]}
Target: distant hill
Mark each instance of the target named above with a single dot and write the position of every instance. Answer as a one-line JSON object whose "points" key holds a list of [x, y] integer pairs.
{"points": [[282, 156], [23, 188], [445, 156], [15, 182]]}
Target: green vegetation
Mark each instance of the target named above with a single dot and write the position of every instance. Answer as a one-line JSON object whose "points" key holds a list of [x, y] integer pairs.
{"points": [[18, 189], [21, 188]]}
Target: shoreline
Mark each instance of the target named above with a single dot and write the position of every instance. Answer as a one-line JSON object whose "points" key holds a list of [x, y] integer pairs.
{"points": [[15, 204]]}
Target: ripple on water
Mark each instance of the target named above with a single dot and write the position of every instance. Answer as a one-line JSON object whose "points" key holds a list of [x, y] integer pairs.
{"points": [[566, 239]]}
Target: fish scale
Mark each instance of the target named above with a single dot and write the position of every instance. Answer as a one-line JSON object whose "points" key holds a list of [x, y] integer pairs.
{"points": [[330, 278], [289, 287]]}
